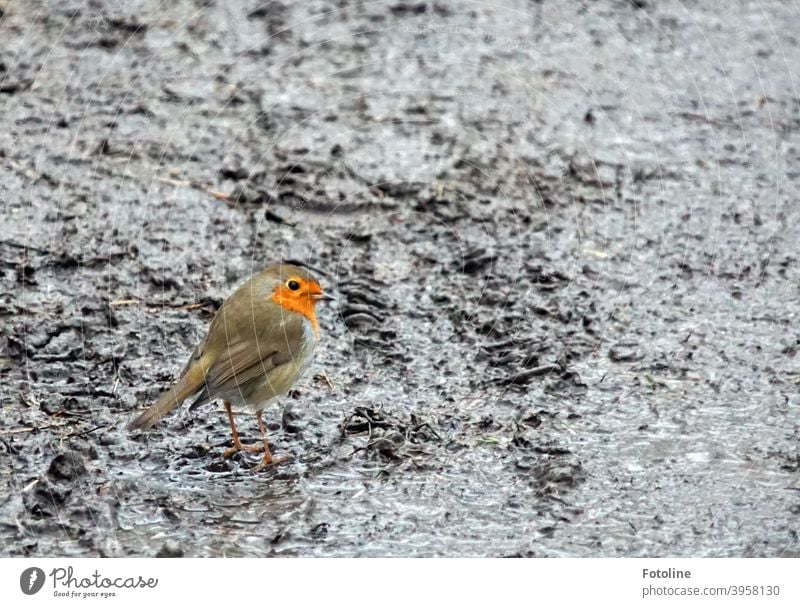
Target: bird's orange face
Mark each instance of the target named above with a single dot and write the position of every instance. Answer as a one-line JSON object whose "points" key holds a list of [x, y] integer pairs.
{"points": [[298, 294]]}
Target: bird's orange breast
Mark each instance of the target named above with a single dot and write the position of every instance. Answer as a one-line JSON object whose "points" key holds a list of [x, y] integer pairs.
{"points": [[301, 304]]}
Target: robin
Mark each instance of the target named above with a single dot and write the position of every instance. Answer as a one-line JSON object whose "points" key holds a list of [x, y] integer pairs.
{"points": [[259, 343]]}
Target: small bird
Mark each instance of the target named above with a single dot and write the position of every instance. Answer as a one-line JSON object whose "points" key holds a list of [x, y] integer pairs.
{"points": [[258, 345]]}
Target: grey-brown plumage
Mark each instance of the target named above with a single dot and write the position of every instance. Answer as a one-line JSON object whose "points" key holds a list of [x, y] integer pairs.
{"points": [[258, 344]]}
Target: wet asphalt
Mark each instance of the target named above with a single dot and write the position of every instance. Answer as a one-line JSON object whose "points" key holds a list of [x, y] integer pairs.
{"points": [[563, 240]]}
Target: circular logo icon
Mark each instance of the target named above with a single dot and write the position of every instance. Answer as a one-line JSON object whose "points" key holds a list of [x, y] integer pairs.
{"points": [[31, 580]]}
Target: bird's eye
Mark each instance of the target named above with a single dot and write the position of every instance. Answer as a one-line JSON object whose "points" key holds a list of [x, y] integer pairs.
{"points": [[293, 285]]}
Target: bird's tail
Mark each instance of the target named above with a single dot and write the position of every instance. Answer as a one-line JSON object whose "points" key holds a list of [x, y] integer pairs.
{"points": [[191, 383]]}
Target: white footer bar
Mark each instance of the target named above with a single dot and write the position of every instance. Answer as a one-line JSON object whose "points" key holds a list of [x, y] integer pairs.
{"points": [[406, 582]]}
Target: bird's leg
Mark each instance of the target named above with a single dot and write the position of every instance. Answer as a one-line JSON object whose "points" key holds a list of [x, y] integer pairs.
{"points": [[268, 459], [237, 445], [267, 455]]}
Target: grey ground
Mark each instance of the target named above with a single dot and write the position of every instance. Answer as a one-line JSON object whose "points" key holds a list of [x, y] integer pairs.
{"points": [[563, 238]]}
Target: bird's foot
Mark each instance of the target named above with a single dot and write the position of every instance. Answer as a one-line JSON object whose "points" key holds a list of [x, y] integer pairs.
{"points": [[255, 448], [269, 461]]}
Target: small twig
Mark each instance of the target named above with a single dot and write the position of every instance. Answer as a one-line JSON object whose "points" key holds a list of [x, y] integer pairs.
{"points": [[17, 431], [420, 427], [327, 380], [83, 432], [523, 377], [274, 217], [178, 183], [25, 247], [30, 429], [156, 306], [190, 307]]}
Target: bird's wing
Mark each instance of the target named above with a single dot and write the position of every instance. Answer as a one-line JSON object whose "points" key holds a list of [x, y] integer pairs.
{"points": [[252, 353], [238, 364]]}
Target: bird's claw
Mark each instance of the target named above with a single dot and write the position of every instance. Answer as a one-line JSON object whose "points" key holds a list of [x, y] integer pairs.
{"points": [[273, 461]]}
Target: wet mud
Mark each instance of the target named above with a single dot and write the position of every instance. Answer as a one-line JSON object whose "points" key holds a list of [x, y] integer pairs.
{"points": [[563, 240]]}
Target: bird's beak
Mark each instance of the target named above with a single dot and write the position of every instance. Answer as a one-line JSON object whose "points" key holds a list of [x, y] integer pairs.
{"points": [[322, 297]]}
